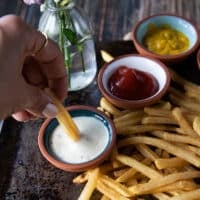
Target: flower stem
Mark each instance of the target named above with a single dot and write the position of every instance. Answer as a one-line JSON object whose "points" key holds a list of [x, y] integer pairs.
{"points": [[80, 50], [68, 63], [68, 36], [61, 39], [65, 50]]}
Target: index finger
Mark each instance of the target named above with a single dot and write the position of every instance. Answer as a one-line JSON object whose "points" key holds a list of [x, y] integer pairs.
{"points": [[51, 62]]}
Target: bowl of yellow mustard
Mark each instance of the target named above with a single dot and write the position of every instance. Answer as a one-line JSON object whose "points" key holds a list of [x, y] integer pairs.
{"points": [[169, 38]]}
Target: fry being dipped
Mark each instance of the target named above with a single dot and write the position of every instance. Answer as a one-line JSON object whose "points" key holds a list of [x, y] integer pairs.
{"points": [[64, 118]]}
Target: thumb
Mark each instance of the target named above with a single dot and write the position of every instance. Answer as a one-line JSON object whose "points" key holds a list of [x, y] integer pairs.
{"points": [[38, 103]]}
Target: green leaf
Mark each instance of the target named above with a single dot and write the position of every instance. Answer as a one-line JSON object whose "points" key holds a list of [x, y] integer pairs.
{"points": [[80, 47], [70, 35], [64, 2]]}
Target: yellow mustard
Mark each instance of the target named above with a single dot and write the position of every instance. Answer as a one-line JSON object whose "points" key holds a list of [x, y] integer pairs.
{"points": [[165, 40]]}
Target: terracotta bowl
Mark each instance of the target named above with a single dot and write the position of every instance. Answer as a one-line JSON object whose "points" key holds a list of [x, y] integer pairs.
{"points": [[198, 58], [176, 22], [72, 156], [145, 64]]}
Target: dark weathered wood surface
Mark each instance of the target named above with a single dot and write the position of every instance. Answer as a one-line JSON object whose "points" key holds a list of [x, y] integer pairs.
{"points": [[111, 19], [25, 174]]}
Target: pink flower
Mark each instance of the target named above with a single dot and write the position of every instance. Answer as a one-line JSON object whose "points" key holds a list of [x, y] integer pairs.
{"points": [[29, 2]]}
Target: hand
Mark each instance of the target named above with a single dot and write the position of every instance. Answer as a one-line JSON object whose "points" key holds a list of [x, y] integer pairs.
{"points": [[25, 71]]}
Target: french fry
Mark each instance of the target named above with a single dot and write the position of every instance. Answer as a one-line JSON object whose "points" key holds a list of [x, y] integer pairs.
{"points": [[81, 178], [147, 152], [147, 162], [165, 154], [195, 89], [175, 193], [177, 93], [116, 164], [190, 118], [183, 132], [189, 104], [106, 168], [126, 175], [171, 148], [196, 125], [163, 163], [168, 171], [109, 107], [121, 189], [159, 151], [106, 56], [161, 196], [109, 192], [100, 108], [177, 138], [128, 119], [162, 105], [191, 195], [157, 112], [105, 198], [158, 120], [182, 81], [142, 128], [194, 149], [131, 182], [138, 166], [178, 115], [184, 185], [119, 172], [90, 185], [126, 123], [64, 118], [192, 94], [129, 116], [154, 184], [189, 168], [137, 156]]}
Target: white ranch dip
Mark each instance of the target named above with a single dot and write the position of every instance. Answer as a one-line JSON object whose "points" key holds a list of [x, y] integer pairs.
{"points": [[93, 140]]}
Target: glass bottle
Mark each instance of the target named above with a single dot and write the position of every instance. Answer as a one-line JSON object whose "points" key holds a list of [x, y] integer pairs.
{"points": [[69, 27]]}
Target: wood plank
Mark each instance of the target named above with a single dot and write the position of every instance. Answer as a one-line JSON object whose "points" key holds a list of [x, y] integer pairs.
{"points": [[112, 19]]}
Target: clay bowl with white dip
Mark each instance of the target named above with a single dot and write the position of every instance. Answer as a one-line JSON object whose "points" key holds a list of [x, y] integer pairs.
{"points": [[97, 139]]}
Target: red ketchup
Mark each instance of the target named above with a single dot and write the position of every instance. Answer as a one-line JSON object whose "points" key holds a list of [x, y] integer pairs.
{"points": [[131, 84]]}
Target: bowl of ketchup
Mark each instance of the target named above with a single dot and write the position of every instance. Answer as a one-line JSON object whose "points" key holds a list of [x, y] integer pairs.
{"points": [[198, 58], [133, 81]]}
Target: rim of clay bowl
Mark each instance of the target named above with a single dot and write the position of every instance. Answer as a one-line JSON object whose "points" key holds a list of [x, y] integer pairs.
{"points": [[80, 166], [165, 57], [126, 104]]}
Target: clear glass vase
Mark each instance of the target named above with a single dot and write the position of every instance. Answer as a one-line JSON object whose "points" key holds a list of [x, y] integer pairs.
{"points": [[69, 27]]}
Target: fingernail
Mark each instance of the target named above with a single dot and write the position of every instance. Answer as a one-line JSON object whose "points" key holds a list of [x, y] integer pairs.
{"points": [[50, 111]]}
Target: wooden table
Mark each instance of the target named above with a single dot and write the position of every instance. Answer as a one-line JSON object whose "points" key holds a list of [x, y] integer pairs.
{"points": [[112, 19], [25, 174]]}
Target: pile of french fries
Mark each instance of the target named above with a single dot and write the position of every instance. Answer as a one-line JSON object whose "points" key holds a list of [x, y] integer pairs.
{"points": [[157, 155]]}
